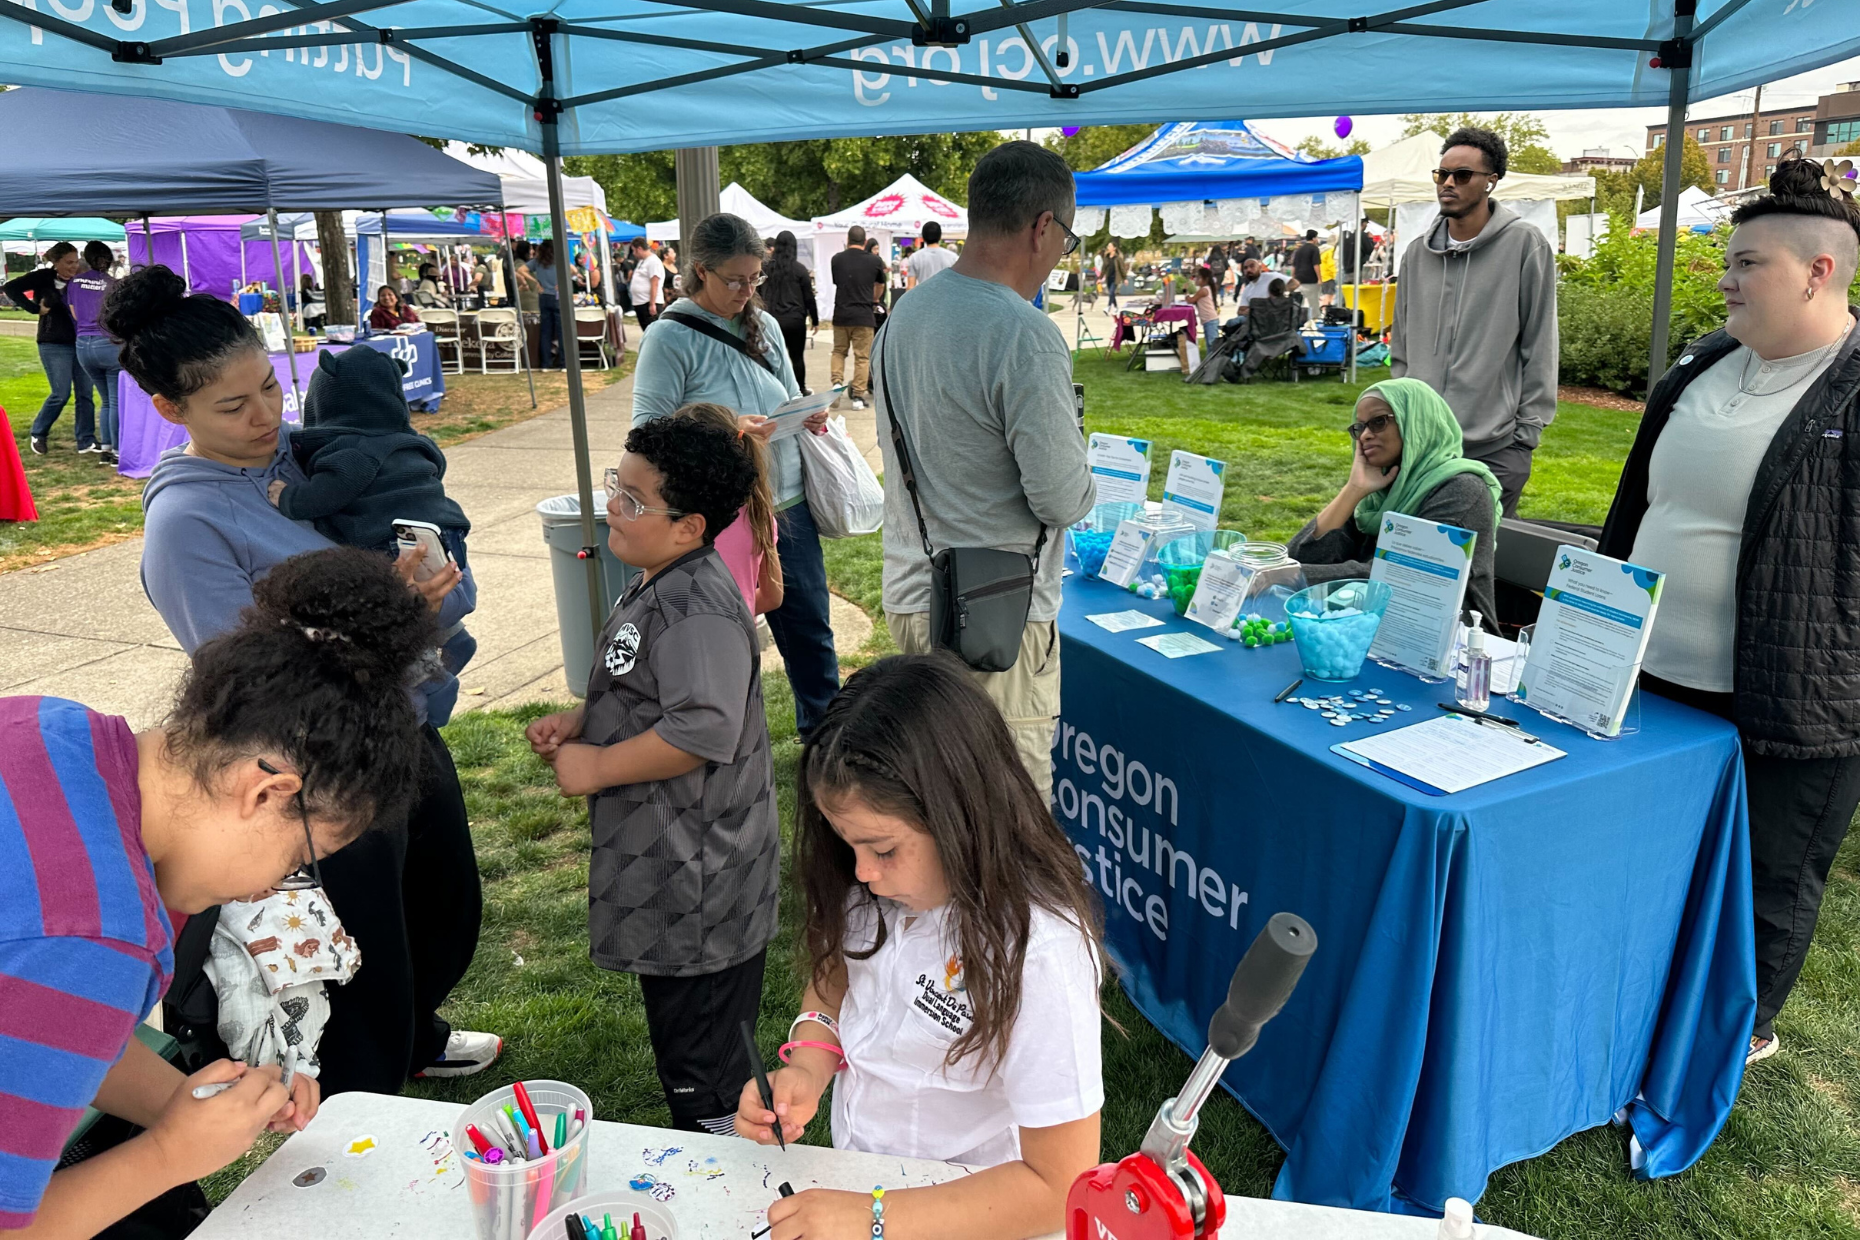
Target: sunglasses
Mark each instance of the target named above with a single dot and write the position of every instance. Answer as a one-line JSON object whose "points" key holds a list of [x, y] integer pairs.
{"points": [[630, 506], [310, 874], [1459, 176], [1372, 426]]}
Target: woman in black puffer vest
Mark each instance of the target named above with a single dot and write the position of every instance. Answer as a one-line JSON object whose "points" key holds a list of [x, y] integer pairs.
{"points": [[1744, 486]]}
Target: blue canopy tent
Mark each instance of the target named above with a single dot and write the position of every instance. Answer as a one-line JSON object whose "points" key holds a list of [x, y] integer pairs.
{"points": [[1201, 160], [61, 228], [568, 76]]}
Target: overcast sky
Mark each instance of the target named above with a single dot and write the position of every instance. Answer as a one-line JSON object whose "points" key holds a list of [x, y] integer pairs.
{"points": [[1622, 130]]}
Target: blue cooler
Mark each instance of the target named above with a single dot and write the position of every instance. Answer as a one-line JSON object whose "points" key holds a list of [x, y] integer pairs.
{"points": [[1326, 346], [251, 303]]}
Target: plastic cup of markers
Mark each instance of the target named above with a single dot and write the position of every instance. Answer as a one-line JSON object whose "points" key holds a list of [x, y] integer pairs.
{"points": [[658, 1223], [508, 1199], [1333, 625]]}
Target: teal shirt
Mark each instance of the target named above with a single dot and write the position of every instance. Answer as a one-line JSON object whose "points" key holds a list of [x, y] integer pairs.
{"points": [[678, 366]]}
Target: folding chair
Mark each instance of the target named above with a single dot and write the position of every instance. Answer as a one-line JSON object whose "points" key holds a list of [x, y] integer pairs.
{"points": [[444, 324], [591, 331], [498, 333]]}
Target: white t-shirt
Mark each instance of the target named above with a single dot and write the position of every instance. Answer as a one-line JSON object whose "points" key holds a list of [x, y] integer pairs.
{"points": [[928, 260], [1260, 287], [906, 1005], [645, 272], [1698, 488]]}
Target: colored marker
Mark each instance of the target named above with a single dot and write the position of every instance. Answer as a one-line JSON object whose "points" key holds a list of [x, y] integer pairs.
{"points": [[472, 1155], [477, 1139], [587, 1223], [213, 1090], [561, 1129], [762, 1080], [529, 1111], [574, 1228], [494, 1156], [639, 1228], [608, 1232], [535, 1146]]}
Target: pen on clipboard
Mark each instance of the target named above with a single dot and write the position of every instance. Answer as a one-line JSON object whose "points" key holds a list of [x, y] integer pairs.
{"points": [[1508, 726]]}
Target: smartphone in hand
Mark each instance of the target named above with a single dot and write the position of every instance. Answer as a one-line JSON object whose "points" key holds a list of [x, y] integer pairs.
{"points": [[425, 536]]}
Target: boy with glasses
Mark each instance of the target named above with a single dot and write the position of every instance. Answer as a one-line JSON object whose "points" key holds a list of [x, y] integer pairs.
{"points": [[1476, 318]]}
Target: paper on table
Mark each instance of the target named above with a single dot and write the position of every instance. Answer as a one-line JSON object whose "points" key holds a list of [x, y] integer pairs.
{"points": [[1449, 754], [1193, 489], [1120, 468], [1426, 565], [1218, 593], [790, 414], [1590, 638], [1118, 621], [1177, 645]]}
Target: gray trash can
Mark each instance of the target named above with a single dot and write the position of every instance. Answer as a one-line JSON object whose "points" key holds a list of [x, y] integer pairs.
{"points": [[561, 522]]}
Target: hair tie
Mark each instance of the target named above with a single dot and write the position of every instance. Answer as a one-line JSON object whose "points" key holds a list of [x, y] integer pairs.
{"points": [[1838, 180], [320, 635]]}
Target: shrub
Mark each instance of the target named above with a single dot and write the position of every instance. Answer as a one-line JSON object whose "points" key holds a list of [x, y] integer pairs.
{"points": [[1605, 305]]}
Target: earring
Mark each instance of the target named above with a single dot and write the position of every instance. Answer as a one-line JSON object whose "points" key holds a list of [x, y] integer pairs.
{"points": [[1808, 294]]}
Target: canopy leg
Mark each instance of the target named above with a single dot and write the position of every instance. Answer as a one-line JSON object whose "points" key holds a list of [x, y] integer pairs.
{"points": [[577, 402], [284, 313], [1671, 171], [523, 344]]}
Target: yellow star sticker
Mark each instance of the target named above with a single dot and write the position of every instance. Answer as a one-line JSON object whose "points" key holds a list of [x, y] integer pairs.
{"points": [[360, 1146]]}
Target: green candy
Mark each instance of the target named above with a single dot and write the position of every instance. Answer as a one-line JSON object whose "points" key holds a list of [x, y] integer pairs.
{"points": [[1251, 642]]}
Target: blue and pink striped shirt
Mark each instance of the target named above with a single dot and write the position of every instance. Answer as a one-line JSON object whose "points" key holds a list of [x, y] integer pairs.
{"points": [[85, 946]]}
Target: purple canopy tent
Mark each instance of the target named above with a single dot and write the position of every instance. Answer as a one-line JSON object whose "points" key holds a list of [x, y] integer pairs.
{"points": [[207, 249]]}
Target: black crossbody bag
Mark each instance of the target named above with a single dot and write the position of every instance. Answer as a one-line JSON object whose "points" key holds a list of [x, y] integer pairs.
{"points": [[979, 596], [705, 328]]}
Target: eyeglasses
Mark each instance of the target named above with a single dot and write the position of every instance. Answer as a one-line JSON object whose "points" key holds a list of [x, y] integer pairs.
{"points": [[310, 874], [1459, 176], [1372, 426], [1072, 239], [630, 507], [737, 286]]}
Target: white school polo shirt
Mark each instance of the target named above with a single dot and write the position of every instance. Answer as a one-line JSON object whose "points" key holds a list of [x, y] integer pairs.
{"points": [[906, 1005]]}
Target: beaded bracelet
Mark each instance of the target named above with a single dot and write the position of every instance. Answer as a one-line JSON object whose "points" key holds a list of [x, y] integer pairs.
{"points": [[878, 1213], [821, 1046], [819, 1018]]}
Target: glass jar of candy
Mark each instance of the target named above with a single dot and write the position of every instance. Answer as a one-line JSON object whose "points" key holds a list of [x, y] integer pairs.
{"points": [[1091, 538], [1271, 577]]}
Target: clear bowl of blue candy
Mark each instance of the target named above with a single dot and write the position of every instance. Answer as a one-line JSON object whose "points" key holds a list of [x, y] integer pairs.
{"points": [[1091, 538], [1334, 623]]}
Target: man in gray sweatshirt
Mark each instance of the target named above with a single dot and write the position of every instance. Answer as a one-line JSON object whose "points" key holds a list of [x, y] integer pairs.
{"points": [[1475, 313], [981, 383]]}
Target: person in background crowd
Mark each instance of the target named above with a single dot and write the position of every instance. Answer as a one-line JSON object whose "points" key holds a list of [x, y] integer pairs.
{"points": [[96, 352], [929, 258], [1217, 271], [1306, 262], [981, 383], [788, 293], [1115, 269], [43, 293], [389, 311], [857, 275], [879, 307], [1476, 318], [408, 890], [1206, 302], [1251, 250], [717, 345], [647, 287], [548, 305], [427, 292], [1407, 459], [523, 279], [288, 738], [668, 256], [1255, 281], [1741, 486]]}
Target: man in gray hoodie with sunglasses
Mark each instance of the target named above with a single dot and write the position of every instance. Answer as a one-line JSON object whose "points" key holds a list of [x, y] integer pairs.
{"points": [[1475, 313]]}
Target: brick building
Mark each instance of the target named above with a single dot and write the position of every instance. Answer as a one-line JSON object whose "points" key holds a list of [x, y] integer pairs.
{"points": [[1820, 129], [1598, 157]]}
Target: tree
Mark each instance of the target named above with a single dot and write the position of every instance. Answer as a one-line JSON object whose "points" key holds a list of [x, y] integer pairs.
{"points": [[1852, 148], [1527, 140], [1317, 148], [1095, 145], [1650, 174], [338, 286]]}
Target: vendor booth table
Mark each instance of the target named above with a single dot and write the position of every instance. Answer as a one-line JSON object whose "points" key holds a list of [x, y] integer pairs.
{"points": [[144, 434], [406, 1182], [1496, 969], [1181, 312]]}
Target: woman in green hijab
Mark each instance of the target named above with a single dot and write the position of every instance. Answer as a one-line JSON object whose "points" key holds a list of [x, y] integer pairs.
{"points": [[1407, 460]]}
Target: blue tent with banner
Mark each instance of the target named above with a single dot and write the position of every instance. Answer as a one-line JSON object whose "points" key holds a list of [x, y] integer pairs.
{"points": [[1199, 160]]}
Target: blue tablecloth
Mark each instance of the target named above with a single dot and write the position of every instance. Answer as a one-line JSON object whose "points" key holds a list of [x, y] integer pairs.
{"points": [[143, 434], [1496, 969]]}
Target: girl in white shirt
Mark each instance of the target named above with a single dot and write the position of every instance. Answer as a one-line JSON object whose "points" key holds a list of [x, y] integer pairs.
{"points": [[956, 953]]}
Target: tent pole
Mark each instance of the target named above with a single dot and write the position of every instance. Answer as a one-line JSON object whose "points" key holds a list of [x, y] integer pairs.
{"points": [[571, 358], [186, 273], [1356, 282], [148, 244], [290, 344], [523, 344], [1671, 171]]}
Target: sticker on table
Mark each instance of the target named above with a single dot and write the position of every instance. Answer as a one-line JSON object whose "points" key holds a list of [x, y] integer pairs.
{"points": [[1177, 645], [310, 1178], [1119, 621], [361, 1147]]}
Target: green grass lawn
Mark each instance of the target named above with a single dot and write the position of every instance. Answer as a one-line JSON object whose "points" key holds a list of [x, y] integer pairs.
{"points": [[1788, 1163]]}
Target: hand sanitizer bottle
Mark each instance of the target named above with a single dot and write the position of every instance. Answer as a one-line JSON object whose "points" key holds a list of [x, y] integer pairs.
{"points": [[1475, 671], [1457, 1221]]}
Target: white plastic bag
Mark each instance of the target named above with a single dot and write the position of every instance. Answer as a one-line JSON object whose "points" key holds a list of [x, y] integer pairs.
{"points": [[842, 490]]}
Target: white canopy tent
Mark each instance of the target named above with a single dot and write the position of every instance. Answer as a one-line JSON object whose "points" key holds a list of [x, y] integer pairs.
{"points": [[1404, 173], [901, 209], [1698, 210], [525, 181], [735, 200]]}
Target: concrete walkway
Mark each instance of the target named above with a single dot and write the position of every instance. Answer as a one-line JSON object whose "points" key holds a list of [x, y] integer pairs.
{"points": [[81, 627]]}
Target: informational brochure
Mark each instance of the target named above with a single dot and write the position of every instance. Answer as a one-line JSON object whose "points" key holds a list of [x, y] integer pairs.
{"points": [[1449, 754], [1177, 645], [1125, 555], [1590, 638], [1193, 489], [1119, 621], [790, 414], [1426, 566], [1218, 593], [1120, 468]]}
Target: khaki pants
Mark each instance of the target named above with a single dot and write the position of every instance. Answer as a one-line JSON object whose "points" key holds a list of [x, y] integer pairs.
{"points": [[859, 340], [1027, 693]]}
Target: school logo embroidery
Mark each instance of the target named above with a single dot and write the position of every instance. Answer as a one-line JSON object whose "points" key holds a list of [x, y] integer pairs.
{"points": [[940, 1002], [952, 974], [622, 651]]}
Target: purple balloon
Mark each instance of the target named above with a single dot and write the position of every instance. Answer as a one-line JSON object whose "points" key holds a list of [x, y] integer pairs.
{"points": [[1343, 126], [1070, 131]]}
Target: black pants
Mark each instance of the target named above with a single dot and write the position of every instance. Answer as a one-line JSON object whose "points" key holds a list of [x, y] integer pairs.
{"points": [[794, 335], [644, 315], [695, 1025], [1799, 812], [409, 896], [1510, 463], [549, 339]]}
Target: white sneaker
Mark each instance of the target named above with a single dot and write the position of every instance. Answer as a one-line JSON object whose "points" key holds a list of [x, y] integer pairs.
{"points": [[857, 403], [1761, 1049], [466, 1053], [96, 447]]}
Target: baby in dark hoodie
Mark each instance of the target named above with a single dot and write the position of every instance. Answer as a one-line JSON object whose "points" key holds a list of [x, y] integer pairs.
{"points": [[369, 468]]}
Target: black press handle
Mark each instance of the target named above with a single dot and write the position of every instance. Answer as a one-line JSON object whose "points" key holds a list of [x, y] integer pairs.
{"points": [[1263, 981]]}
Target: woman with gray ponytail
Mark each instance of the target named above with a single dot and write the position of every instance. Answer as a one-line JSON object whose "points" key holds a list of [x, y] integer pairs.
{"points": [[717, 345]]}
